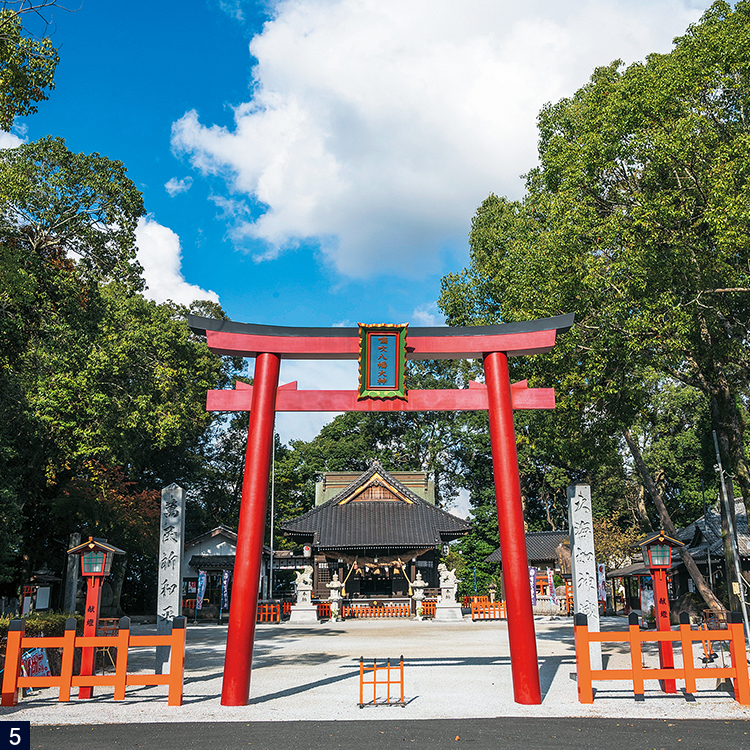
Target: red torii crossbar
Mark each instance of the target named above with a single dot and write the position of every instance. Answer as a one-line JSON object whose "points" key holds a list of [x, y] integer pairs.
{"points": [[270, 344]]}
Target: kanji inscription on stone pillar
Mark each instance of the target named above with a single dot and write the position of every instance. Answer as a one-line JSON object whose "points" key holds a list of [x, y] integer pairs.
{"points": [[169, 593], [583, 562]]}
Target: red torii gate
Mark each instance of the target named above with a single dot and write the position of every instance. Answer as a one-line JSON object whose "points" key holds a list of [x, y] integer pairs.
{"points": [[270, 344]]}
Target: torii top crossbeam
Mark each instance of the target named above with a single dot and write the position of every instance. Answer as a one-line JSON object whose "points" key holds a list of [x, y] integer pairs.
{"points": [[469, 342]]}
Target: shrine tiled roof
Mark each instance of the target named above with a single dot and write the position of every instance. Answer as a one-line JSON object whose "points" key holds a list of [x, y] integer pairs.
{"points": [[540, 546], [212, 562], [705, 532], [398, 518]]}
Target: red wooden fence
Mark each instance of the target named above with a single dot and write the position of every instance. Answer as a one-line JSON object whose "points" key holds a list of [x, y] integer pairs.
{"points": [[385, 610], [268, 613], [387, 682], [488, 611], [688, 672], [120, 679]]}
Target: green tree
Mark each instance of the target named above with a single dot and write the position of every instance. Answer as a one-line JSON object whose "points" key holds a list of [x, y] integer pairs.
{"points": [[53, 200], [27, 63], [636, 219]]}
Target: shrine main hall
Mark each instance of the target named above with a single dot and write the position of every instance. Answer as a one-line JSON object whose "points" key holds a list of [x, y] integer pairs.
{"points": [[377, 530]]}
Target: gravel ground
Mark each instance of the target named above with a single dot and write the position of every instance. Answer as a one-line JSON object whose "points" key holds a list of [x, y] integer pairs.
{"points": [[452, 670]]}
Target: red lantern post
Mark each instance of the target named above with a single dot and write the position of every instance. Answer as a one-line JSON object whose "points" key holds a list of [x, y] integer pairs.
{"points": [[96, 564], [657, 554]]}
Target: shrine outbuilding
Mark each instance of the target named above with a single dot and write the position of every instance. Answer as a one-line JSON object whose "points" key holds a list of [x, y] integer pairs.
{"points": [[376, 530]]}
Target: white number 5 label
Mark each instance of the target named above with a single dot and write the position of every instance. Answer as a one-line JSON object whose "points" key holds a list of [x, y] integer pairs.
{"points": [[14, 735]]}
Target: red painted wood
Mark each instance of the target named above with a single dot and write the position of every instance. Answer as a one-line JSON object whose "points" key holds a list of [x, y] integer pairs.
{"points": [[90, 624], [661, 607], [472, 399], [241, 632], [523, 654], [417, 347]]}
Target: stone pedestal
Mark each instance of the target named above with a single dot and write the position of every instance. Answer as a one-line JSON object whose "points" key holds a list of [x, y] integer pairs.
{"points": [[304, 610], [447, 607]]}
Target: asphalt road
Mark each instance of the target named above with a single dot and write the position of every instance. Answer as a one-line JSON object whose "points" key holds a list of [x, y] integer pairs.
{"points": [[433, 734]]}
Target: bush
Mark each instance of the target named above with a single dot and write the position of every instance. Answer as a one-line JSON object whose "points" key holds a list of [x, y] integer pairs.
{"points": [[38, 624], [51, 625]]}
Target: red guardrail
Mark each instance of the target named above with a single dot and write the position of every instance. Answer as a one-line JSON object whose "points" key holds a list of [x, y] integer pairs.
{"points": [[685, 636], [467, 601], [13, 681], [367, 610], [268, 613], [488, 611], [387, 682], [428, 608]]}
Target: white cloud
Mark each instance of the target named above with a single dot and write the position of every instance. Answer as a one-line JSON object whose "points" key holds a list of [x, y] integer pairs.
{"points": [[313, 375], [377, 127], [461, 505], [175, 186], [160, 255], [8, 140], [428, 315]]}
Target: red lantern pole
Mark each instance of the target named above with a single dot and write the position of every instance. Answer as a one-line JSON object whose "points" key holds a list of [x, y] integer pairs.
{"points": [[250, 533], [661, 605], [90, 626], [523, 654]]}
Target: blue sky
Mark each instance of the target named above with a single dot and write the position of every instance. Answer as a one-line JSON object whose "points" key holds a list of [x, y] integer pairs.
{"points": [[318, 162]]}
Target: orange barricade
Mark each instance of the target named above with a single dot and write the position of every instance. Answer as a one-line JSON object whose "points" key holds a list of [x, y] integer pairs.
{"points": [[324, 610], [367, 610], [467, 601], [488, 611], [286, 608], [569, 605], [190, 603], [268, 613], [387, 682], [13, 681], [688, 672], [428, 608]]}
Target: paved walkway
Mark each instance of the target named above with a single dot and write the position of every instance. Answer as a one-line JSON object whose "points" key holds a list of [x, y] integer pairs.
{"points": [[436, 734], [453, 671]]}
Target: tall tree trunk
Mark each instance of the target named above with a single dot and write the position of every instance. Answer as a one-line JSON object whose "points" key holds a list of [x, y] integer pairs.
{"points": [[727, 421], [639, 510], [700, 582]]}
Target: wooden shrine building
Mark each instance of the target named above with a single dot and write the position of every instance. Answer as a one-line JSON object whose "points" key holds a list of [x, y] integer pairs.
{"points": [[375, 530]]}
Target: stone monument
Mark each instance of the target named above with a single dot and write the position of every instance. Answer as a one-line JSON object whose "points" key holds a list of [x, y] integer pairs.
{"points": [[334, 597], [71, 575], [304, 610], [447, 607], [171, 545], [583, 562], [418, 588]]}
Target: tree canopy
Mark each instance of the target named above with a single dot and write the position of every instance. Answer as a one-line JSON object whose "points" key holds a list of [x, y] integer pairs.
{"points": [[102, 392], [637, 220], [27, 63]]}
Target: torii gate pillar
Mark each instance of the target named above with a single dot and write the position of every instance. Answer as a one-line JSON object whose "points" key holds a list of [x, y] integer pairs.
{"points": [[523, 655], [269, 344], [250, 532]]}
